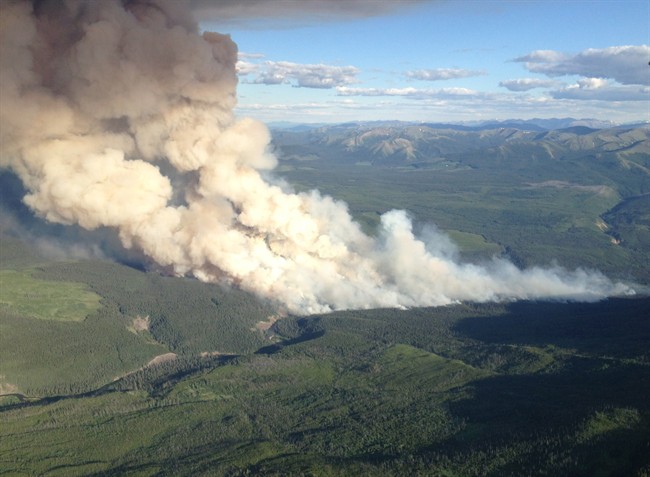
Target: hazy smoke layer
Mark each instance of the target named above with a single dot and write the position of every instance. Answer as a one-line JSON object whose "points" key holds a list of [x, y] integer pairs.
{"points": [[99, 97]]}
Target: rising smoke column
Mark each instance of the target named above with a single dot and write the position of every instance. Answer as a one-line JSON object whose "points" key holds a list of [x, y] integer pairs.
{"points": [[98, 97]]}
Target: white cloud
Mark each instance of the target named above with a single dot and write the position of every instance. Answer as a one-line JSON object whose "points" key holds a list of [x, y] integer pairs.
{"points": [[296, 74], [526, 84], [451, 92], [413, 93], [543, 56], [625, 64], [440, 74], [345, 91], [246, 68], [369, 104], [601, 90], [253, 56], [592, 83]]}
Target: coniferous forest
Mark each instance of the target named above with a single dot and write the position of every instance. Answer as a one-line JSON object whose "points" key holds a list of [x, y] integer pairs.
{"points": [[110, 367]]}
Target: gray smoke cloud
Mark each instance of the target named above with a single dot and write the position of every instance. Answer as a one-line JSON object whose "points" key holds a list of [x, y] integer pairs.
{"points": [[120, 114]]}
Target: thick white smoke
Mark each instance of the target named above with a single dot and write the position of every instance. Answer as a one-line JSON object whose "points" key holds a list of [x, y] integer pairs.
{"points": [[97, 97]]}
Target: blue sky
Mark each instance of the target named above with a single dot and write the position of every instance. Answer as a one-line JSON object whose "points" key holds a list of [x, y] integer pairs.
{"points": [[342, 60]]}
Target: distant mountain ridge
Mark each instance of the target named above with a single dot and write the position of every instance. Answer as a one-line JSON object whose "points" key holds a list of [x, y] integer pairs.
{"points": [[395, 143], [535, 124]]}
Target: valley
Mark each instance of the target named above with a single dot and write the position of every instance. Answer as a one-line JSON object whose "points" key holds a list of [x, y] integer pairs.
{"points": [[558, 195]]}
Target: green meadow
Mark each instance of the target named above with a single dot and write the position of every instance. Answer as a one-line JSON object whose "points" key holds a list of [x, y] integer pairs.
{"points": [[22, 294]]}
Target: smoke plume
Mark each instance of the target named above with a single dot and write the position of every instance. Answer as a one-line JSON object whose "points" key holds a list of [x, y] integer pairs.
{"points": [[120, 114]]}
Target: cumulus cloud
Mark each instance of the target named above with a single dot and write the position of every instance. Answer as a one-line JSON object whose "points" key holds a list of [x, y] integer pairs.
{"points": [[440, 74], [246, 67], [300, 75], [602, 90], [526, 84], [624, 64], [120, 115]]}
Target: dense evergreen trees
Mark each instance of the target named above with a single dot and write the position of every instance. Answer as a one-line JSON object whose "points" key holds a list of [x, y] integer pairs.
{"points": [[519, 389]]}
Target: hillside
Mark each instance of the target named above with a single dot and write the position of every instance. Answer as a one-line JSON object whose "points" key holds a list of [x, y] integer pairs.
{"points": [[169, 376], [73, 326]]}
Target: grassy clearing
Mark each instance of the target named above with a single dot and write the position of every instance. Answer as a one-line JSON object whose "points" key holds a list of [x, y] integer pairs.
{"points": [[22, 294], [603, 422], [471, 244]]}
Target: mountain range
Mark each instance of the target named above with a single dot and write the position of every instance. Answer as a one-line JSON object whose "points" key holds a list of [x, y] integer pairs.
{"points": [[394, 143]]}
